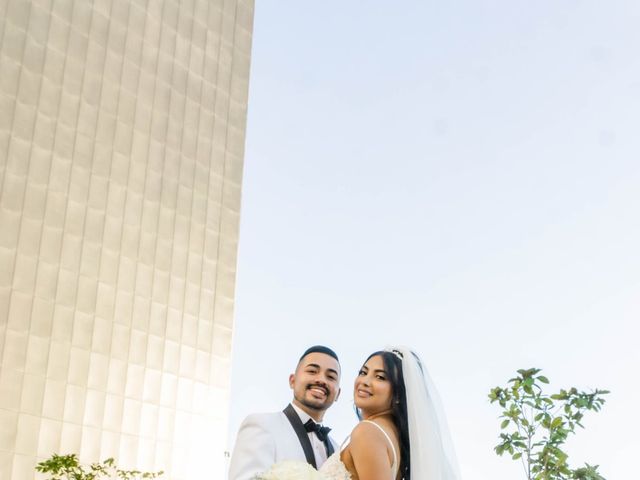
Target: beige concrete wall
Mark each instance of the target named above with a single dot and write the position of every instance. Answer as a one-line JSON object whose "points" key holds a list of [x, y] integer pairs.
{"points": [[121, 146]]}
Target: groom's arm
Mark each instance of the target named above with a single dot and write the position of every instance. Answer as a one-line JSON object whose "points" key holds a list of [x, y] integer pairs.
{"points": [[254, 451]]}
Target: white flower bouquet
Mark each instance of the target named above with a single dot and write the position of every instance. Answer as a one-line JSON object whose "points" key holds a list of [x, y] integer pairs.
{"points": [[290, 470]]}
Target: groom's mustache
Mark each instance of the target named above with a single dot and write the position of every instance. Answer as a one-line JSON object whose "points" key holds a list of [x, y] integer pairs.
{"points": [[318, 385]]}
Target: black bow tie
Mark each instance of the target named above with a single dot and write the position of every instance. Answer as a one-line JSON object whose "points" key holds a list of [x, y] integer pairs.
{"points": [[321, 432]]}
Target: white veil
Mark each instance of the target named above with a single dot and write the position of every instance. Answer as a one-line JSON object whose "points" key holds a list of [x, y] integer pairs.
{"points": [[432, 452]]}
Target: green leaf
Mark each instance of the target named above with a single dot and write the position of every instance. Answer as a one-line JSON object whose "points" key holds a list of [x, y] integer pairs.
{"points": [[504, 423], [543, 379]]}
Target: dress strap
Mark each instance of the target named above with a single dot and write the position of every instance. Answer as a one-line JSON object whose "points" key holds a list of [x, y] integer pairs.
{"points": [[393, 449], [345, 443]]}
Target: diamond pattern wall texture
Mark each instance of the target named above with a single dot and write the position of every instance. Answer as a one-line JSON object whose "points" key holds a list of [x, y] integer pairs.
{"points": [[122, 127]]}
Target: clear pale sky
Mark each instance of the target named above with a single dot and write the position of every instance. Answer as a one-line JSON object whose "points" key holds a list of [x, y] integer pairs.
{"points": [[462, 177]]}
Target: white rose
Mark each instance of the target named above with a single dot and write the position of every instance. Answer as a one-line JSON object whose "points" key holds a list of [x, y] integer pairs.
{"points": [[290, 470]]}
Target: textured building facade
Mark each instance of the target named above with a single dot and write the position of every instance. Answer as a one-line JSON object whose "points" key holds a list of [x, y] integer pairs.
{"points": [[122, 129]]}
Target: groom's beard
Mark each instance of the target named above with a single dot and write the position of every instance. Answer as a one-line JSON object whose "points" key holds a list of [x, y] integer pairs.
{"points": [[316, 404]]}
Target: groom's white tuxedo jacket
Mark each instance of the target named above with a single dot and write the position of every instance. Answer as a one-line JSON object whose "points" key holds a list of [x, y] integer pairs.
{"points": [[265, 439]]}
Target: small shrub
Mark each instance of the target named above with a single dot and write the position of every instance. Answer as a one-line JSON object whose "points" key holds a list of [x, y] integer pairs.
{"points": [[536, 425], [67, 467]]}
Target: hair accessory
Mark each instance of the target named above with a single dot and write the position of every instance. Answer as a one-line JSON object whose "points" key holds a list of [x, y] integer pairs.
{"points": [[397, 353]]}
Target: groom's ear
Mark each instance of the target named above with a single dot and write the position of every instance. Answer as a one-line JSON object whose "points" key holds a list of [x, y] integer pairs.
{"points": [[292, 378], [338, 395]]}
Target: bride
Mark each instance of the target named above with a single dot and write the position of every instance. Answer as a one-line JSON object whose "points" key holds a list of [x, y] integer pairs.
{"points": [[402, 434]]}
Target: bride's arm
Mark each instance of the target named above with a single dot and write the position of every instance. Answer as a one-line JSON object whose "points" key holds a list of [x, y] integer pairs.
{"points": [[370, 453]]}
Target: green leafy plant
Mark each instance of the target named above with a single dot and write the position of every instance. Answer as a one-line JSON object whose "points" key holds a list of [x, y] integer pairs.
{"points": [[67, 467], [536, 425]]}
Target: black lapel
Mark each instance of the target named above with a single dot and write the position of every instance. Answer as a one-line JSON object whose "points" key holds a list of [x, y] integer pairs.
{"points": [[298, 427], [329, 446]]}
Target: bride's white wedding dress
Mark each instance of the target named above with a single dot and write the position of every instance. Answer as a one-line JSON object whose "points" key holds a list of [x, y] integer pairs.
{"points": [[334, 469]]}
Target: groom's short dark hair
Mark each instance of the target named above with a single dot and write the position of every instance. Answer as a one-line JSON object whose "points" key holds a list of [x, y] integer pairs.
{"points": [[320, 349]]}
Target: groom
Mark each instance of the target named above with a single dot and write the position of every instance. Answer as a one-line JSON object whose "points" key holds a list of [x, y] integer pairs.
{"points": [[295, 433]]}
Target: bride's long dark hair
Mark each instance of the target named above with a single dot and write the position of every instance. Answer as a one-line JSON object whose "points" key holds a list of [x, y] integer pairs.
{"points": [[393, 367]]}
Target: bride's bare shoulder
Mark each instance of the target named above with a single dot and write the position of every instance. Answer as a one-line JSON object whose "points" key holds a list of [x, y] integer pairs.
{"points": [[367, 455], [366, 433]]}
